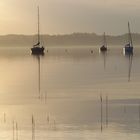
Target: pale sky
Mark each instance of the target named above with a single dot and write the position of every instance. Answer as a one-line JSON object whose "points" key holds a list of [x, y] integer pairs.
{"points": [[68, 16]]}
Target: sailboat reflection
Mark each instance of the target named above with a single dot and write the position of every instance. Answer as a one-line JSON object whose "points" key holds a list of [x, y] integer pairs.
{"points": [[39, 70], [130, 56], [38, 57], [104, 55]]}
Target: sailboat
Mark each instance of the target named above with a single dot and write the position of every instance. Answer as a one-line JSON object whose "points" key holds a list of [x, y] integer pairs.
{"points": [[37, 48], [103, 48], [128, 48]]}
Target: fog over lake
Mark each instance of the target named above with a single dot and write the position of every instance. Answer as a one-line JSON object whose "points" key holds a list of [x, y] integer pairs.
{"points": [[62, 90]]}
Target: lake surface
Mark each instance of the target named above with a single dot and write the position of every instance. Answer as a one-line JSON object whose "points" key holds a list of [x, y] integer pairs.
{"points": [[71, 93]]}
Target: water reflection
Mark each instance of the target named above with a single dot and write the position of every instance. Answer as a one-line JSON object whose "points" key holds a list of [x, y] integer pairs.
{"points": [[104, 54], [130, 66], [38, 58], [83, 96]]}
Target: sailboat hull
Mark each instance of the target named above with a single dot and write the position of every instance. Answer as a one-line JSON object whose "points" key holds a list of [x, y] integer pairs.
{"points": [[37, 50], [103, 49], [128, 50]]}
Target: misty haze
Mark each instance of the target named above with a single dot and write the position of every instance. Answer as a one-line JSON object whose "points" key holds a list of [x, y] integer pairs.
{"points": [[70, 70]]}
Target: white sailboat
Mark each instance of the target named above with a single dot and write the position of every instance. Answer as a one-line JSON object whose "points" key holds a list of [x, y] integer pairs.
{"points": [[38, 49], [128, 48]]}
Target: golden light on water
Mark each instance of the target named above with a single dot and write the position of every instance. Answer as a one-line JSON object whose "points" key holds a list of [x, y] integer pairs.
{"points": [[69, 93]]}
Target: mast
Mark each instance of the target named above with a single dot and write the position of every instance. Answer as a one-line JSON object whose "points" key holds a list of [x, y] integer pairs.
{"points": [[38, 26], [130, 37], [105, 43]]}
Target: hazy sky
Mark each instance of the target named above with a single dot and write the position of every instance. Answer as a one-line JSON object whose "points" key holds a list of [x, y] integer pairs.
{"points": [[68, 16]]}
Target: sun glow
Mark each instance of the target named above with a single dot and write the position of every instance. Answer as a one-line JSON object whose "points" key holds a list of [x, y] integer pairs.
{"points": [[64, 16]]}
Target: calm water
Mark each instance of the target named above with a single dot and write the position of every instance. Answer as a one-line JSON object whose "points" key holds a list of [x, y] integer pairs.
{"points": [[62, 90]]}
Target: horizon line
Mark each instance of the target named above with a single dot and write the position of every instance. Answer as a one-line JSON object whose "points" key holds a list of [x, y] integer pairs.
{"points": [[62, 34]]}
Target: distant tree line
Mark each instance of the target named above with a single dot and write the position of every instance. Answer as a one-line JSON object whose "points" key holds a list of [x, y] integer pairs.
{"points": [[68, 39]]}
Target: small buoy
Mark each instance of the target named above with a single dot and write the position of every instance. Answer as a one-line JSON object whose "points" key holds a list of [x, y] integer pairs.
{"points": [[91, 51]]}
